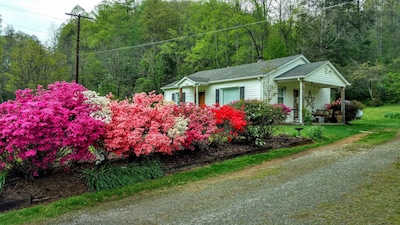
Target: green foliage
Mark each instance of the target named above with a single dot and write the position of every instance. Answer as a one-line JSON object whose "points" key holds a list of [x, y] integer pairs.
{"points": [[262, 118], [392, 115], [307, 116], [111, 176], [3, 175], [315, 132], [257, 133]]}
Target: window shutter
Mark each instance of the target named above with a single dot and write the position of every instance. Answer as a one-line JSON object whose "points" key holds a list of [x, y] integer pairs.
{"points": [[183, 97], [241, 93], [217, 96], [173, 97]]}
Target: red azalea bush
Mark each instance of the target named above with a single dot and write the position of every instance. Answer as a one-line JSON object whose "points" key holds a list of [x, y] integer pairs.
{"points": [[143, 126], [46, 127], [201, 124], [230, 121]]}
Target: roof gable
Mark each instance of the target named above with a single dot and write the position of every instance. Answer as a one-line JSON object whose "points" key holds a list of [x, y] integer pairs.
{"points": [[318, 72], [300, 71], [329, 75]]}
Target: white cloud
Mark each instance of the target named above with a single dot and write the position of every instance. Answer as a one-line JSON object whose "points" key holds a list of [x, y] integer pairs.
{"points": [[40, 17]]}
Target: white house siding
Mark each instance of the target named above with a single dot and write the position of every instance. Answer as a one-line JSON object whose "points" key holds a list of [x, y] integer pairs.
{"points": [[189, 93], [324, 97], [326, 75], [168, 94], [251, 90]]}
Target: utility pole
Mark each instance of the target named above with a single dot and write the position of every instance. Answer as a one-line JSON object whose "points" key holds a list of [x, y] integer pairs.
{"points": [[77, 43]]}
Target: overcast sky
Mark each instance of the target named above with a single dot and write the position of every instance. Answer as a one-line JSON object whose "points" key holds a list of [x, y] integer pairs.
{"points": [[39, 17]]}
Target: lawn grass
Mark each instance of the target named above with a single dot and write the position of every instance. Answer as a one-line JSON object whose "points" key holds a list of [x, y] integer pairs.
{"points": [[383, 129]]}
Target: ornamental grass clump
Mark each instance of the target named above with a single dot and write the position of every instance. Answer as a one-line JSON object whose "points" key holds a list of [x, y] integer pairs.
{"points": [[392, 115], [111, 176], [3, 175], [315, 132]]}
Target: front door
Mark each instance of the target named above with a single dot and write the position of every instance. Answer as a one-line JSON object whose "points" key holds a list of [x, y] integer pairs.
{"points": [[202, 98]]}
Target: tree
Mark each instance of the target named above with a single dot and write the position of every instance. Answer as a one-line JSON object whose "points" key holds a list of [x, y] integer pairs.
{"points": [[369, 77], [33, 64]]}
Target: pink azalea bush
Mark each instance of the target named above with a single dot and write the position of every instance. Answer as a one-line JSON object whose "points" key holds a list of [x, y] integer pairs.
{"points": [[42, 128], [201, 124]]}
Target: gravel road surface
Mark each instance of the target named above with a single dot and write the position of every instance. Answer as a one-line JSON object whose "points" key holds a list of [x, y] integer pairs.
{"points": [[277, 192]]}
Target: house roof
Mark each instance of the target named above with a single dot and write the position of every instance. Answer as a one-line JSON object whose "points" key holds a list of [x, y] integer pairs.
{"points": [[235, 72], [301, 70]]}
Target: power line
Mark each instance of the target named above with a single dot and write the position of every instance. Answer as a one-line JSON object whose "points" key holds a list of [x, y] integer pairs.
{"points": [[31, 12], [175, 39]]}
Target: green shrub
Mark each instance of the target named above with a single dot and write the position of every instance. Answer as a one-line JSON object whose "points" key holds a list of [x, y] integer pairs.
{"points": [[112, 176], [315, 132], [392, 115], [262, 119]]}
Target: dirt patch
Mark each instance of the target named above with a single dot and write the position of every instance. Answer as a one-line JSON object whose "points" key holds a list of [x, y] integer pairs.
{"points": [[55, 185]]}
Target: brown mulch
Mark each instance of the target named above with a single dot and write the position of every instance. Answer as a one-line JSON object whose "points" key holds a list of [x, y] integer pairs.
{"points": [[55, 185]]}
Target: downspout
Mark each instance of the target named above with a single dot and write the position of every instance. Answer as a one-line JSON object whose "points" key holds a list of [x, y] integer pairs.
{"points": [[261, 89]]}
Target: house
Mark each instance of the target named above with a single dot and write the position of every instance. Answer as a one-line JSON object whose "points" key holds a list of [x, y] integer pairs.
{"points": [[293, 81]]}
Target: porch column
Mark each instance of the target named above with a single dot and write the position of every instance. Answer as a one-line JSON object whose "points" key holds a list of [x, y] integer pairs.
{"points": [[343, 103], [301, 97], [180, 95], [196, 94]]}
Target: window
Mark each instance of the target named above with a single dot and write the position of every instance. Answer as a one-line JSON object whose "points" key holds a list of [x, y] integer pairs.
{"points": [[241, 93], [281, 94], [175, 97], [232, 94], [217, 96], [183, 97]]}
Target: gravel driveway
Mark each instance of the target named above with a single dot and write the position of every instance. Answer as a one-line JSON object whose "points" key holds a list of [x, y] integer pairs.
{"points": [[277, 192]]}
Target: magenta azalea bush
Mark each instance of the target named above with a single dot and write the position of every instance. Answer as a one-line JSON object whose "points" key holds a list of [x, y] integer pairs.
{"points": [[42, 128]]}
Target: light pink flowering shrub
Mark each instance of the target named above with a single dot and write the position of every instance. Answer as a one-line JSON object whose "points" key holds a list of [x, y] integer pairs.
{"points": [[43, 127], [143, 126], [201, 124]]}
